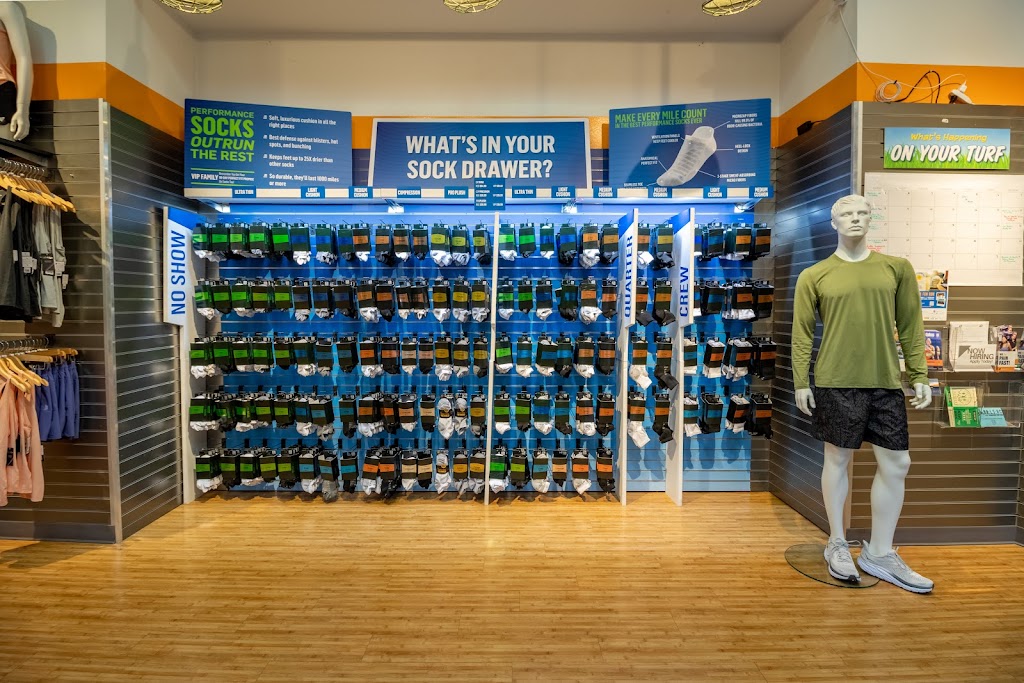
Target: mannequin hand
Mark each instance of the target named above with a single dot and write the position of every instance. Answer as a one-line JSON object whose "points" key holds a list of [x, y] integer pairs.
{"points": [[19, 125], [922, 396], [805, 401]]}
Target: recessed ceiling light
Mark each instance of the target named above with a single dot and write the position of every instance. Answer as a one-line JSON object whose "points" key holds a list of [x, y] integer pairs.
{"points": [[195, 6], [470, 6], [722, 8]]}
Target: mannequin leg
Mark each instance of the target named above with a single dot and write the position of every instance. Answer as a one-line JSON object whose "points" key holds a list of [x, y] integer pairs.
{"points": [[835, 488], [887, 492]]}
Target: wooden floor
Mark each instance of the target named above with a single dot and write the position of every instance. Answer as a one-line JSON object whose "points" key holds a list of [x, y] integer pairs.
{"points": [[549, 590]]}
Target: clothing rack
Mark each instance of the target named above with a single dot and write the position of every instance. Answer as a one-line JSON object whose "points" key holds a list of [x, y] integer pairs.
{"points": [[31, 171], [12, 347]]}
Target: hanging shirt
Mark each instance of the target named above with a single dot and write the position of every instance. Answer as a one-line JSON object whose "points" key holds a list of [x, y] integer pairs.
{"points": [[6, 58]]}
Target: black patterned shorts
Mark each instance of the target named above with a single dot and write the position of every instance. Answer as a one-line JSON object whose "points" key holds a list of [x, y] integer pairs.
{"points": [[849, 417]]}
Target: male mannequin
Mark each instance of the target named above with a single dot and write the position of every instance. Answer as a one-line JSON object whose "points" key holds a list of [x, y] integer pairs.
{"points": [[859, 296], [15, 89]]}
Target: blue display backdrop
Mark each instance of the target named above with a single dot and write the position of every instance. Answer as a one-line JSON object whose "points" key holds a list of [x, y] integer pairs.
{"points": [[445, 153], [720, 148], [237, 150]]}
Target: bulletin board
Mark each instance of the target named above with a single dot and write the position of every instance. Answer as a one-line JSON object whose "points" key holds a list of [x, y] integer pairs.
{"points": [[969, 224]]}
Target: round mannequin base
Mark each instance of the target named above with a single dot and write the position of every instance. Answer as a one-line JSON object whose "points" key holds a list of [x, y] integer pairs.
{"points": [[809, 560]]}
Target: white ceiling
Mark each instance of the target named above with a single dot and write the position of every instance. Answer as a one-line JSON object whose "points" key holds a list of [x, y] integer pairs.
{"points": [[635, 20]]}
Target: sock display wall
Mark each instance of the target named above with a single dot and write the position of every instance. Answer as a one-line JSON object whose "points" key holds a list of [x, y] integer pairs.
{"points": [[444, 349]]}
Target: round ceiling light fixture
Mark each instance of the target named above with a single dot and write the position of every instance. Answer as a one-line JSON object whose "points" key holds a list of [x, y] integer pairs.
{"points": [[723, 8], [195, 6], [471, 6]]}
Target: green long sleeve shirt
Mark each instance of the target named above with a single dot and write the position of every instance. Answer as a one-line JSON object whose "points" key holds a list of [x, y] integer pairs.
{"points": [[858, 302]]}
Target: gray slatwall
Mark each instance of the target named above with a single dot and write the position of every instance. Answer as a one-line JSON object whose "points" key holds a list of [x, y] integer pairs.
{"points": [[77, 503], [146, 168], [812, 171], [963, 485]]}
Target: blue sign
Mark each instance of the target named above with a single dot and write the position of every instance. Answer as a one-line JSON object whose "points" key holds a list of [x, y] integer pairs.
{"points": [[524, 193], [713, 144], [442, 153], [240, 148], [606, 192], [563, 192], [410, 193], [456, 193], [489, 195]]}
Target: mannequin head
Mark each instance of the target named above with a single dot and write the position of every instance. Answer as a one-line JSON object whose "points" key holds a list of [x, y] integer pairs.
{"points": [[851, 217]]}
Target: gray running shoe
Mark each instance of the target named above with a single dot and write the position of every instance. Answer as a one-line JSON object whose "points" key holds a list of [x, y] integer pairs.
{"points": [[893, 569], [840, 562]]}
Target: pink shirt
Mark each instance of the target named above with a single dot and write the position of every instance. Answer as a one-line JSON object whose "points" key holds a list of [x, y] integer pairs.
{"points": [[6, 58]]}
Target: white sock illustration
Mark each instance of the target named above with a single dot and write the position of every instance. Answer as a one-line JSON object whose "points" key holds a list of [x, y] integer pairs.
{"points": [[696, 150]]}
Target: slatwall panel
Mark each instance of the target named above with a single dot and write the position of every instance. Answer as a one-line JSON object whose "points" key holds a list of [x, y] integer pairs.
{"points": [[812, 172], [964, 484], [146, 169], [77, 503], [764, 269]]}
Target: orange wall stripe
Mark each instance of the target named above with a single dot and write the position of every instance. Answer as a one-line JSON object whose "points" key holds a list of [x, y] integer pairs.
{"points": [[819, 105], [77, 81]]}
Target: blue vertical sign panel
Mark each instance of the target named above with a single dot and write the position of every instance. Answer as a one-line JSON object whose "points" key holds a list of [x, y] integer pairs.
{"points": [[489, 195], [235, 150], [444, 153], [714, 147]]}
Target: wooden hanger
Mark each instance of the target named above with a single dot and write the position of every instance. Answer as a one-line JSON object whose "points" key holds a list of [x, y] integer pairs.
{"points": [[8, 375]]}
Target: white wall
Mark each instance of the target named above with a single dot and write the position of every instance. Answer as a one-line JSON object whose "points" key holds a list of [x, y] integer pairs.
{"points": [[817, 49], [63, 31], [936, 32], [148, 45], [467, 78]]}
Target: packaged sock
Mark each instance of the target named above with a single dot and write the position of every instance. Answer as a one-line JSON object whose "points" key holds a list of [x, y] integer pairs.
{"points": [[302, 250], [759, 416], [527, 240], [370, 415], [348, 353], [442, 299], [568, 246], [477, 470], [347, 414], [346, 243], [560, 467], [407, 412], [662, 411], [462, 308], [420, 298], [428, 406], [714, 354], [481, 295], [502, 412], [643, 245], [503, 354], [523, 411], [663, 362], [738, 356], [241, 355], [585, 355], [609, 297], [262, 294], [590, 252], [764, 299], [441, 245], [638, 362], [420, 241], [547, 351], [284, 351], [519, 468], [204, 300], [605, 413], [711, 409], [361, 242], [540, 470], [478, 415], [389, 355], [524, 295], [460, 356], [384, 246], [442, 474], [663, 302], [663, 247], [691, 415], [259, 240], [220, 295], [547, 241], [761, 240], [345, 298], [564, 355], [581, 470], [738, 242], [542, 412], [590, 310], [365, 292], [506, 299], [371, 471], [443, 351], [460, 469], [323, 299], [497, 478], [482, 245], [524, 356], [369, 357], [568, 299], [481, 356], [736, 416], [637, 403], [585, 421], [323, 354], [507, 243], [302, 299], [424, 468], [239, 240], [403, 297], [562, 421], [446, 416], [426, 354], [609, 243], [712, 241], [545, 298], [402, 237], [643, 315], [410, 469], [606, 354], [606, 469]]}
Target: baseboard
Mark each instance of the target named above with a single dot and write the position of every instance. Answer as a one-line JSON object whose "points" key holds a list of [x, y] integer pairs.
{"points": [[950, 535], [75, 533]]}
